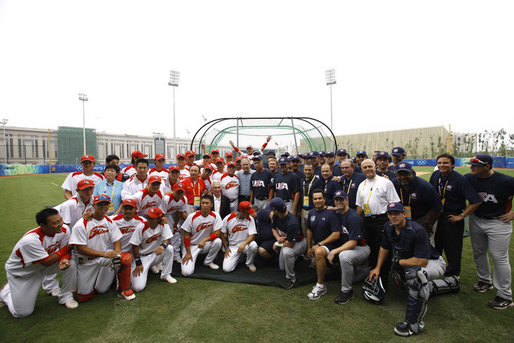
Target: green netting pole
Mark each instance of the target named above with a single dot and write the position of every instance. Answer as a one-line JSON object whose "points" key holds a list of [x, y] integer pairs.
{"points": [[294, 135], [237, 132]]}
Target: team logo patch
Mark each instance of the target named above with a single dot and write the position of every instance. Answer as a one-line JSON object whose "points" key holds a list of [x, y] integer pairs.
{"points": [[148, 205], [401, 165], [413, 195], [52, 248], [391, 205], [282, 185], [239, 227], [98, 230], [153, 238], [395, 150], [231, 184], [203, 226], [313, 218], [449, 187], [127, 229]]}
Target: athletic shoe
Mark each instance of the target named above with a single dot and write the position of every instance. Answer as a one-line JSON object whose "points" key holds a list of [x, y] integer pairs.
{"points": [[500, 304], [169, 279], [212, 266], [403, 329], [178, 260], [252, 267], [154, 269], [159, 266], [55, 292], [128, 294], [482, 287], [344, 297], [71, 304], [317, 292], [288, 283]]}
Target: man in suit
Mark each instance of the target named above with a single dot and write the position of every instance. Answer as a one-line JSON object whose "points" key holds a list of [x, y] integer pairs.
{"points": [[221, 202]]}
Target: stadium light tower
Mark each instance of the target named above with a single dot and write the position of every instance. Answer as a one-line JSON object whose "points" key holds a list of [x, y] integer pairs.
{"points": [[4, 122], [174, 78], [83, 98], [330, 75]]}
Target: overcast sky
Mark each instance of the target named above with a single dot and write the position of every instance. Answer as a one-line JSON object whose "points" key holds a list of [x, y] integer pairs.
{"points": [[399, 64]]}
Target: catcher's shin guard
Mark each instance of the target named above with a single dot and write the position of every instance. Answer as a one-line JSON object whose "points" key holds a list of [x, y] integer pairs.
{"points": [[124, 272], [418, 295], [449, 284]]}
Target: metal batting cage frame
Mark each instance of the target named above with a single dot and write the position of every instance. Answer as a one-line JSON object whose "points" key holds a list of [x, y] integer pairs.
{"points": [[296, 134]]}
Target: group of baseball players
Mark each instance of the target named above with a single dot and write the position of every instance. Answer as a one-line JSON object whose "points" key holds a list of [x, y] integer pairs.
{"points": [[367, 218]]}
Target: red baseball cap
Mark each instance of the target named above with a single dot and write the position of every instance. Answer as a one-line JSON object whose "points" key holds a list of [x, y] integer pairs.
{"points": [[160, 157], [155, 212], [233, 164], [209, 167], [246, 207], [238, 158], [86, 183], [181, 155], [153, 179], [130, 202], [173, 168], [215, 151], [137, 154], [101, 198], [229, 154], [87, 158], [219, 159], [179, 186], [189, 153], [249, 147]]}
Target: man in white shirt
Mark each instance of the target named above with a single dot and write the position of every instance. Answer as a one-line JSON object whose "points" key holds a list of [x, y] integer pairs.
{"points": [[138, 181], [70, 183]]}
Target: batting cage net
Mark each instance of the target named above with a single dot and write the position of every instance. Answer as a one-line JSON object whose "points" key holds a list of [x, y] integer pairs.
{"points": [[293, 134]]}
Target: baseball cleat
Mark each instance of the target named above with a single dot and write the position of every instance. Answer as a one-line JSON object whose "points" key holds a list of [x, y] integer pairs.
{"points": [[344, 297], [154, 269], [128, 294], [403, 329], [482, 287], [500, 304], [169, 279], [288, 283], [159, 266], [55, 292], [252, 268], [71, 304], [317, 292], [212, 266]]}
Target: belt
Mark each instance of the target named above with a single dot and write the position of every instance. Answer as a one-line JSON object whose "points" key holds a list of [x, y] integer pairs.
{"points": [[147, 254], [485, 217], [261, 198], [233, 200]]}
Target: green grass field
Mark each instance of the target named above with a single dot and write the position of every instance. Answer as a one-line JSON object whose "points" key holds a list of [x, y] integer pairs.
{"points": [[210, 311]]}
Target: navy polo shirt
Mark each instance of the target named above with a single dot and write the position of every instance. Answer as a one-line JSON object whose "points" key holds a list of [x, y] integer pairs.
{"points": [[496, 193], [412, 241], [322, 224], [317, 171], [286, 185], [308, 186], [289, 226], [329, 188], [336, 170], [263, 225], [351, 227], [300, 174], [350, 187], [455, 189], [423, 197], [260, 183], [389, 173]]}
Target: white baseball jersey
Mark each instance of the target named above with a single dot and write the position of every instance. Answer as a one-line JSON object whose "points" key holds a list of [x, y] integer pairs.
{"points": [[32, 249], [377, 193], [71, 181], [173, 206], [148, 239], [127, 228], [131, 186], [200, 226], [208, 183], [72, 210], [129, 170], [99, 235], [216, 175], [146, 201], [238, 230], [184, 173], [163, 174], [230, 186]]}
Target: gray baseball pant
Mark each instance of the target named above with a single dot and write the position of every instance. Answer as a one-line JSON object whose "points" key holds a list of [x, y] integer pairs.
{"points": [[288, 256], [354, 266]]}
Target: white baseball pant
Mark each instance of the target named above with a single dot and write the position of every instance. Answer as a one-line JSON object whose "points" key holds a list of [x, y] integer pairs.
{"points": [[166, 258], [210, 248], [230, 262], [94, 275]]}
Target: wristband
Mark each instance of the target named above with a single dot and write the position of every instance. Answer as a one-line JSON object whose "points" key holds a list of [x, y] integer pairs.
{"points": [[236, 149], [213, 236], [63, 251], [138, 261], [164, 245], [105, 254], [187, 242]]}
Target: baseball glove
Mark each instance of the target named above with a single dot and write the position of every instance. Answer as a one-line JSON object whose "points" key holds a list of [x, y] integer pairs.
{"points": [[116, 262]]}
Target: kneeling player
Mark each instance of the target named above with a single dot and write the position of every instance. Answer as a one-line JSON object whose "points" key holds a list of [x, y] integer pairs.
{"points": [[201, 236], [150, 246], [415, 262], [98, 250], [353, 253], [42, 251], [239, 229]]}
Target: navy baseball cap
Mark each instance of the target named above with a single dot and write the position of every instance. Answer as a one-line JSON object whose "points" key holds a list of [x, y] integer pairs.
{"points": [[286, 154], [403, 166], [481, 160], [398, 151], [283, 160], [313, 154], [340, 194], [270, 153], [342, 152], [257, 153], [395, 206], [322, 153], [361, 152], [385, 154], [330, 153], [277, 204], [256, 157], [295, 158]]}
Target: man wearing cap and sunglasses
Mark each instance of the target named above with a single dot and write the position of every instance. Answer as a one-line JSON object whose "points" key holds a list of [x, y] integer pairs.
{"points": [[70, 183], [490, 229]]}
